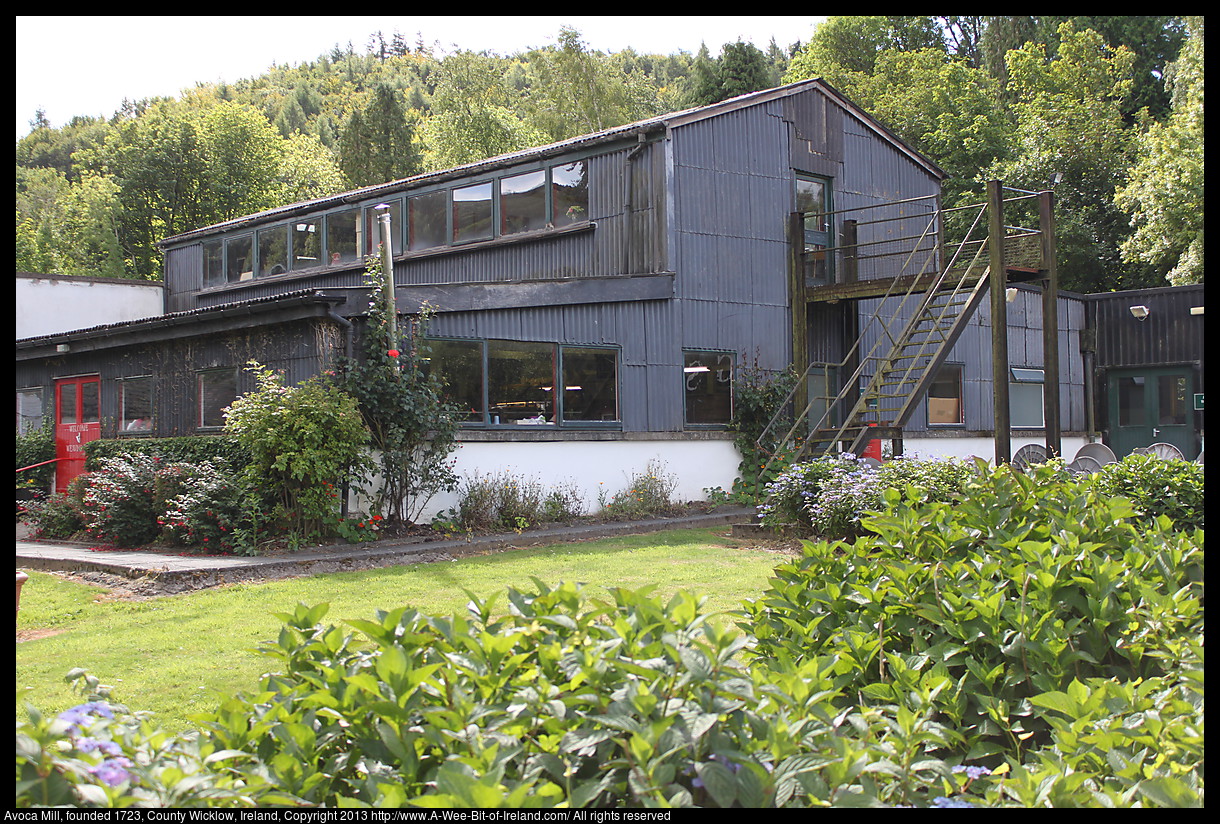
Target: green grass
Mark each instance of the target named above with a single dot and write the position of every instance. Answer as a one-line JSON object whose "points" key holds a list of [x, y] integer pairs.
{"points": [[178, 654]]}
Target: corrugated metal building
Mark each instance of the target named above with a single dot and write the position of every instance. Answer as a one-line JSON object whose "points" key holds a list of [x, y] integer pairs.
{"points": [[650, 261]]}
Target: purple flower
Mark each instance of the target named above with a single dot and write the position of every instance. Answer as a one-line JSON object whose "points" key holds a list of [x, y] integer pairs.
{"points": [[82, 715], [972, 772], [112, 771], [941, 801], [94, 745]]}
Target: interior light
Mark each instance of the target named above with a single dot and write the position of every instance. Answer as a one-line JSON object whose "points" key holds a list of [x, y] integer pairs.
{"points": [[697, 369]]}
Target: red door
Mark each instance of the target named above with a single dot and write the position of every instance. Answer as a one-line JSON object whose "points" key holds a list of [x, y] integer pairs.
{"points": [[77, 421]]}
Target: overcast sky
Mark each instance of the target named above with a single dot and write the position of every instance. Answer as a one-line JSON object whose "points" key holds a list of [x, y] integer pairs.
{"points": [[70, 65]]}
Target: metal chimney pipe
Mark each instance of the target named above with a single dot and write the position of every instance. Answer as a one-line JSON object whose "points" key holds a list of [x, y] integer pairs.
{"points": [[387, 272]]}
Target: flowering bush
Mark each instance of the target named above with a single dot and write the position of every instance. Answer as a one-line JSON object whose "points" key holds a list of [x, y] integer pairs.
{"points": [[649, 492], [203, 507], [788, 497], [118, 502], [61, 515]]}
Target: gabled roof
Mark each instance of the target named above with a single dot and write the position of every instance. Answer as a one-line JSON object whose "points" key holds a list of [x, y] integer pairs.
{"points": [[647, 126]]}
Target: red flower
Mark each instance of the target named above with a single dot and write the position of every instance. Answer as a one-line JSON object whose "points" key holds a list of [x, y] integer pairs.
{"points": [[393, 353]]}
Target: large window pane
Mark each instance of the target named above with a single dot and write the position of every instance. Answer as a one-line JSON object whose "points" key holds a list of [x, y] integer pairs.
{"points": [[428, 227], [306, 244], [342, 244], [91, 402], [272, 251], [1171, 405], [523, 203], [216, 390], [459, 366], [135, 404], [521, 382], [1131, 404], [213, 263], [67, 403], [570, 193], [708, 379], [590, 384], [239, 258], [472, 213], [945, 396], [372, 228], [811, 202], [29, 410]]}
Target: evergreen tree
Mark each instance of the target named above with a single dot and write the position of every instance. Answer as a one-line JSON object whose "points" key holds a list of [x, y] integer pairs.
{"points": [[377, 143], [743, 69]]}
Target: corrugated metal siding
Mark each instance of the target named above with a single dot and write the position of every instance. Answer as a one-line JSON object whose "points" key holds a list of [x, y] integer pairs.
{"points": [[1025, 348], [1169, 335]]}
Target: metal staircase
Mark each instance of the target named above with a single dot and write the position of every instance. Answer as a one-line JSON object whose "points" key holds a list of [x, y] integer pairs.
{"points": [[887, 382]]}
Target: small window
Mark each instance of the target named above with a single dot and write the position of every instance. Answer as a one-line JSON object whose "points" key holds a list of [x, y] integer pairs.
{"points": [[216, 389], [521, 382], [306, 237], [459, 366], [342, 237], [272, 251], [428, 227], [1025, 408], [945, 406], [813, 203], [29, 410], [708, 381], [1132, 408], [569, 193], [136, 404], [91, 401], [523, 203], [590, 384], [472, 213], [239, 258], [213, 262]]}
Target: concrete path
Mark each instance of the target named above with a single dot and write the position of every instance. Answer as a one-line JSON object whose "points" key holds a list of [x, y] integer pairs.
{"points": [[204, 570]]}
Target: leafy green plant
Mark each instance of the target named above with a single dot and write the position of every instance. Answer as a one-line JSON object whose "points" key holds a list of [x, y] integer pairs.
{"points": [[504, 500], [35, 446], [758, 397], [203, 505], [304, 441], [1016, 588], [60, 516], [184, 449], [1157, 487]]}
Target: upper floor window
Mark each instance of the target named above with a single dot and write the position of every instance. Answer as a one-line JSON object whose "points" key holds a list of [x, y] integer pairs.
{"points": [[517, 203], [813, 203]]}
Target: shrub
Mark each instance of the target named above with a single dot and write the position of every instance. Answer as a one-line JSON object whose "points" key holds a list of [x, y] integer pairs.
{"points": [[34, 447], [303, 441], [788, 497], [1017, 588], [118, 503], [203, 506], [649, 492], [185, 449], [61, 515], [758, 395], [1157, 487], [509, 502]]}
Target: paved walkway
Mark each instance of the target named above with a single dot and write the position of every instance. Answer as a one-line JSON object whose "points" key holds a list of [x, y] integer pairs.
{"points": [[163, 566]]}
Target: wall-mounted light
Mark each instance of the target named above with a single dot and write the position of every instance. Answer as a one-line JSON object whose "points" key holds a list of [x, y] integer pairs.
{"points": [[62, 347], [1010, 294], [1139, 312], [1196, 310]]}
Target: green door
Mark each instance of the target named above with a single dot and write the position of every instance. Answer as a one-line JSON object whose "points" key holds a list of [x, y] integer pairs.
{"points": [[1150, 406]]}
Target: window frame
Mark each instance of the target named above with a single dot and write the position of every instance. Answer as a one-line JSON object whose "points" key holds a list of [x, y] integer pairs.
{"points": [[124, 427], [1021, 377], [200, 376], [815, 239], [558, 419], [960, 397], [30, 425], [687, 389]]}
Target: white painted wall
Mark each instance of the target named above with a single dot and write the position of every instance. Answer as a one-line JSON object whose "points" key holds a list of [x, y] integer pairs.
{"points": [[48, 304], [595, 467], [979, 447]]}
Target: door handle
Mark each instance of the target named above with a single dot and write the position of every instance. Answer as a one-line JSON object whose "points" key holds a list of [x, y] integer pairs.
{"points": [[1155, 432]]}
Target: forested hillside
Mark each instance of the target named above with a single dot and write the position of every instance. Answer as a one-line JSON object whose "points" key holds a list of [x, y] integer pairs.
{"points": [[1111, 107]]}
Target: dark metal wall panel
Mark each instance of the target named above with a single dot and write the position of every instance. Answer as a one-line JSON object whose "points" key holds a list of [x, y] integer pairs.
{"points": [[183, 272], [1169, 335]]}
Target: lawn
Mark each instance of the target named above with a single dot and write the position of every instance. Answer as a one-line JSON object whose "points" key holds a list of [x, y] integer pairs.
{"points": [[176, 655]]}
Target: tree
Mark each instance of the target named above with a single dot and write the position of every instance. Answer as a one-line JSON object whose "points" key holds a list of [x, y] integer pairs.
{"points": [[1165, 193], [843, 45], [743, 69], [1068, 111], [413, 429], [307, 170], [377, 143]]}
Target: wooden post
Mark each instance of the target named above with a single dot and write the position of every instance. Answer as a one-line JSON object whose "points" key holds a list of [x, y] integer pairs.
{"points": [[1050, 324], [799, 310], [999, 321]]}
